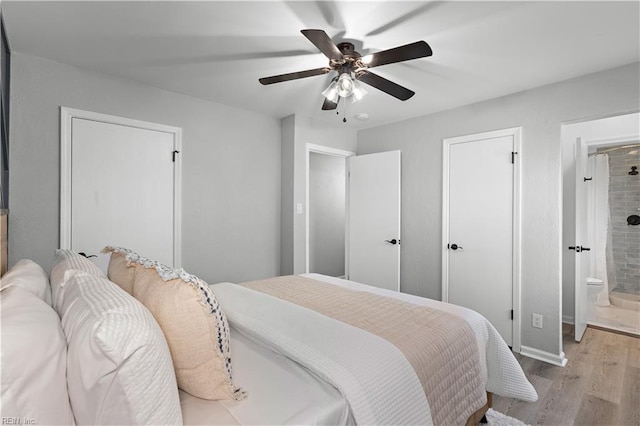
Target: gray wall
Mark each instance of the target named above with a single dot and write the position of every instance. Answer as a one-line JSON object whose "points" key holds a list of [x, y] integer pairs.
{"points": [[624, 200], [327, 193], [540, 112], [231, 170], [287, 185]]}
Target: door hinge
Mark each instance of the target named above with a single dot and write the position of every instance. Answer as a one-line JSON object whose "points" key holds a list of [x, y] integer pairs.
{"points": [[174, 155], [513, 157], [512, 314]]}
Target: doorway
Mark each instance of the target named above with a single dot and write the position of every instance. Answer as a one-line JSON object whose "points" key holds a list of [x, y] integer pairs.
{"points": [[326, 209], [371, 231], [594, 230], [481, 227]]}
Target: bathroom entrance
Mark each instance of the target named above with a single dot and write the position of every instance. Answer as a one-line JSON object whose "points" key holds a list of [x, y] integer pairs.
{"points": [[605, 248]]}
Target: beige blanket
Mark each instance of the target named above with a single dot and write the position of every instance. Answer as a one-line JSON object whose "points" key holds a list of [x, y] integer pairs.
{"points": [[441, 347]]}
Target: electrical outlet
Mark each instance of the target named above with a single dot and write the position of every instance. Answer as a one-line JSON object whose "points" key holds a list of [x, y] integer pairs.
{"points": [[536, 320], [299, 208]]}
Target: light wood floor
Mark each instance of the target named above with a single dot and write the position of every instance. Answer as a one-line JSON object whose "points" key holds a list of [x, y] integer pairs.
{"points": [[599, 386]]}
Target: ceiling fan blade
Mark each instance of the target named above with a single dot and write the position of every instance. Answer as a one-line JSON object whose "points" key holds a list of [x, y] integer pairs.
{"points": [[386, 86], [322, 41], [328, 105], [419, 49], [293, 75]]}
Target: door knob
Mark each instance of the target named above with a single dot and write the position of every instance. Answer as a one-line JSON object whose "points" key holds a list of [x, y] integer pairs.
{"points": [[578, 249], [392, 242], [455, 247]]}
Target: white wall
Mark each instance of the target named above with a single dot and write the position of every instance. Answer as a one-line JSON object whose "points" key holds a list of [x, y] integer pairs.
{"points": [[298, 131], [591, 130], [231, 170], [540, 112]]}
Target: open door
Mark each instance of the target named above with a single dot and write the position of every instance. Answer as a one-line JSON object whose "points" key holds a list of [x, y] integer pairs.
{"points": [[373, 236], [581, 261]]}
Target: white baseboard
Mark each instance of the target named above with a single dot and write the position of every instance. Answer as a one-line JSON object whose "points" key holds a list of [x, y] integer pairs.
{"points": [[568, 319], [559, 360]]}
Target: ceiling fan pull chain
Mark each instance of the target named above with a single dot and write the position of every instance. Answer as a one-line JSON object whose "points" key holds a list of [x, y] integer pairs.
{"points": [[344, 111]]}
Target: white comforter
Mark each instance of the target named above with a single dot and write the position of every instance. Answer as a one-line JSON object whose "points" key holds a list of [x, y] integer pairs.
{"points": [[504, 375], [351, 359]]}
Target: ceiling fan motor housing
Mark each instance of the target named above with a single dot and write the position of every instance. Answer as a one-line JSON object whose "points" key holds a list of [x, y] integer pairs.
{"points": [[351, 60]]}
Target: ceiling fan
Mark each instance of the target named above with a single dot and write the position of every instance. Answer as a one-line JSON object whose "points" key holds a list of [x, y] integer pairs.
{"points": [[353, 68]]}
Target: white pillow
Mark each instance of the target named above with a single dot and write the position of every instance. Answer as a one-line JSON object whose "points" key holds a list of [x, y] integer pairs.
{"points": [[33, 359], [119, 369], [65, 264], [30, 276]]}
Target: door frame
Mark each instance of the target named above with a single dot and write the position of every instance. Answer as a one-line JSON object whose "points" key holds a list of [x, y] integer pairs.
{"points": [[327, 150], [66, 117], [516, 134]]}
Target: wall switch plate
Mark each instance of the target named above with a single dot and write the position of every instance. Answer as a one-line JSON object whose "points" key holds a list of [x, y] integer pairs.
{"points": [[536, 320], [299, 208]]}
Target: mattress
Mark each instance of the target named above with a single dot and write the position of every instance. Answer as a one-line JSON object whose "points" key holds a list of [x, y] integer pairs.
{"points": [[280, 392]]}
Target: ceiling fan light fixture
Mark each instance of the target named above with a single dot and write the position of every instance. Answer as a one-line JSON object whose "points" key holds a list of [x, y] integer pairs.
{"points": [[358, 91], [331, 92], [345, 85]]}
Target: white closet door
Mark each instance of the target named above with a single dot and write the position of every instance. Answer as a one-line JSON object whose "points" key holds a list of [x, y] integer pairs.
{"points": [[479, 263], [122, 189]]}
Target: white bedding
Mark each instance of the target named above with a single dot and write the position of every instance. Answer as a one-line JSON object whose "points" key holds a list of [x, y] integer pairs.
{"points": [[347, 357], [282, 392], [279, 391], [504, 374]]}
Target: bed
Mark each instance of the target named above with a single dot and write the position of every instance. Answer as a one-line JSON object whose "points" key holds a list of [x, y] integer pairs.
{"points": [[286, 360]]}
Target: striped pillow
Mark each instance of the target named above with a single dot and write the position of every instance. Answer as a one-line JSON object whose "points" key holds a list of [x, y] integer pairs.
{"points": [[64, 265], [119, 369]]}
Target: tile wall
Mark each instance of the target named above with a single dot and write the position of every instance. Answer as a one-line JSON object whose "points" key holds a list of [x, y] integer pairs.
{"points": [[624, 200]]}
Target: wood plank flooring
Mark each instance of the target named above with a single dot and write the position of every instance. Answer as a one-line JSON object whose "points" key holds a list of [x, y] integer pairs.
{"points": [[599, 386]]}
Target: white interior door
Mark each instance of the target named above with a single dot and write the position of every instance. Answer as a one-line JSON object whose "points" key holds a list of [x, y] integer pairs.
{"points": [[479, 266], [122, 190], [373, 253], [581, 263]]}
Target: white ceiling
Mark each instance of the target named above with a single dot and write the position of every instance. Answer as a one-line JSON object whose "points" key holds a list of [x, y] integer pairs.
{"points": [[217, 50]]}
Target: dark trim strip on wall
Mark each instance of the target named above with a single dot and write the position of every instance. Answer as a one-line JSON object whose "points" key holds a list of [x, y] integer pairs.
{"points": [[5, 86]]}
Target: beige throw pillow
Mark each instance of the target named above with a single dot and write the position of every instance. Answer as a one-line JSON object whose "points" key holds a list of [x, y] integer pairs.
{"points": [[121, 272], [192, 321]]}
